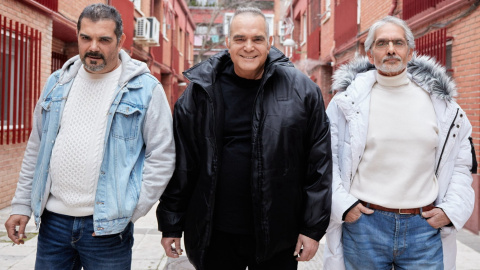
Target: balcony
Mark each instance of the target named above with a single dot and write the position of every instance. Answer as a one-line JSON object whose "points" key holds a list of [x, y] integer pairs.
{"points": [[50, 4], [414, 7]]}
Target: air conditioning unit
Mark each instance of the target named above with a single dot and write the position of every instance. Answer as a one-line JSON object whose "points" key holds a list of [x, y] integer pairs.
{"points": [[142, 29], [154, 38], [147, 31]]}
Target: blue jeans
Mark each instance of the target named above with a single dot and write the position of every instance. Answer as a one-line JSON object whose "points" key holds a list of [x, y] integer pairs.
{"points": [[66, 242], [385, 239]]}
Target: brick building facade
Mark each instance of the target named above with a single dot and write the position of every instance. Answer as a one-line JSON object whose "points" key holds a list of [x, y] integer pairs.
{"points": [[38, 36]]}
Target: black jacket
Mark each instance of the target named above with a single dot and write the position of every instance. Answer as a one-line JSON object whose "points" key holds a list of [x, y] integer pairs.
{"points": [[291, 159]]}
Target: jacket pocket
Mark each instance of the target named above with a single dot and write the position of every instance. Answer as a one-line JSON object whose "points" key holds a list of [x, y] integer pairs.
{"points": [[126, 122]]}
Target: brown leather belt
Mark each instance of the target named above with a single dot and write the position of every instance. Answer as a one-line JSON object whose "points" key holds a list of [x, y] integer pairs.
{"points": [[410, 211]]}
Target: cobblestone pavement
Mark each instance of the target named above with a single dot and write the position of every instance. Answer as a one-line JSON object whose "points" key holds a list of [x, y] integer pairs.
{"points": [[148, 253]]}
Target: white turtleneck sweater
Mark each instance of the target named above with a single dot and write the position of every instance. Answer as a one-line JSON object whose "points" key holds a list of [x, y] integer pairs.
{"points": [[78, 151], [397, 167]]}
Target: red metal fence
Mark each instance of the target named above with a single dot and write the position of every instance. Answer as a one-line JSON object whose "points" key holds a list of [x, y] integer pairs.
{"points": [[58, 60], [433, 44], [51, 4], [20, 54], [413, 7]]}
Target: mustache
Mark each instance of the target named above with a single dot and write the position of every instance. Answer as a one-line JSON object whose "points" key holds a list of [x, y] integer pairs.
{"points": [[390, 57], [94, 54]]}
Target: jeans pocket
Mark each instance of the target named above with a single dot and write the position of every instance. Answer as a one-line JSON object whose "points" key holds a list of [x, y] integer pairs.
{"points": [[355, 221]]}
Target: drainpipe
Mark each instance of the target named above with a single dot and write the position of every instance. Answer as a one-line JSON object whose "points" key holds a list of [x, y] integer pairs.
{"points": [[394, 6], [332, 55]]}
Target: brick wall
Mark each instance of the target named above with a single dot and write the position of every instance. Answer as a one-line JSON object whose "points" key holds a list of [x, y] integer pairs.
{"points": [[466, 68], [72, 9], [371, 11], [10, 160]]}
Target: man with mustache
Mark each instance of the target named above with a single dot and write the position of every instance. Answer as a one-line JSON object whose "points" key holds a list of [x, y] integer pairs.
{"points": [[99, 156], [401, 159]]}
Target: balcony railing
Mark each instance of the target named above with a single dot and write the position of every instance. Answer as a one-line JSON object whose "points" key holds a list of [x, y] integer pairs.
{"points": [[413, 7], [51, 4]]}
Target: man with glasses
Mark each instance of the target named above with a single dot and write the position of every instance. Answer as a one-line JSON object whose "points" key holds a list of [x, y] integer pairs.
{"points": [[401, 159]]}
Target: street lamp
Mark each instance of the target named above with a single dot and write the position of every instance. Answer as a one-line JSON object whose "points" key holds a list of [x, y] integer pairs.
{"points": [[289, 43]]}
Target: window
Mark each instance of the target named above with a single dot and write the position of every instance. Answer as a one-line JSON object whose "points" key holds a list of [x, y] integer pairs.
{"points": [[58, 59], [434, 44], [19, 79], [137, 4], [228, 17], [203, 3], [304, 28], [164, 25]]}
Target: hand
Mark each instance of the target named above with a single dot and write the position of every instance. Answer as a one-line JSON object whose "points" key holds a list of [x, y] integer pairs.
{"points": [[11, 226], [356, 212], [172, 252], [436, 218], [310, 247]]}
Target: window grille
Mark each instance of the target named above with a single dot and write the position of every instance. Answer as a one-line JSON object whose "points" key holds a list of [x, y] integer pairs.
{"points": [[51, 4], [58, 60], [433, 44], [413, 7], [20, 61]]}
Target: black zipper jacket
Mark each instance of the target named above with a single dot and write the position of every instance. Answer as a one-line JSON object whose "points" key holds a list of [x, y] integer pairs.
{"points": [[291, 159]]}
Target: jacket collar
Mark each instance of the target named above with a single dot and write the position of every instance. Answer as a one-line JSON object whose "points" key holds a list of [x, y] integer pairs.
{"points": [[424, 71], [205, 73]]}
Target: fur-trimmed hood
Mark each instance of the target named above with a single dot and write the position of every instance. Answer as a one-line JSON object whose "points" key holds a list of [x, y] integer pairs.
{"points": [[424, 71]]}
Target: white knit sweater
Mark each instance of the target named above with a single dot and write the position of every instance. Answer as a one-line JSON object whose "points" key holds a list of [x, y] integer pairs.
{"points": [[78, 151], [397, 167]]}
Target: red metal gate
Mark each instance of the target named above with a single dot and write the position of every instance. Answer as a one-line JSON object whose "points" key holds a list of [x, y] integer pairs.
{"points": [[20, 53]]}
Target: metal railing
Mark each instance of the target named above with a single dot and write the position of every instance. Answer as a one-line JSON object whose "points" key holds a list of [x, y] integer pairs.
{"points": [[51, 4], [433, 44], [413, 7], [20, 61]]}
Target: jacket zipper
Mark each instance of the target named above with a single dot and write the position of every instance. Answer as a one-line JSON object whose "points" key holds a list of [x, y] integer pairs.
{"points": [[209, 231], [445, 143]]}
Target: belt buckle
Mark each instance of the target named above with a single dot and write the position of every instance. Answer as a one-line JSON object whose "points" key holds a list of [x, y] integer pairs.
{"points": [[400, 212]]}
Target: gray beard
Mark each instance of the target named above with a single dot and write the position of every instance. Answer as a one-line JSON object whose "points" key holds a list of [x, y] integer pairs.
{"points": [[93, 68]]}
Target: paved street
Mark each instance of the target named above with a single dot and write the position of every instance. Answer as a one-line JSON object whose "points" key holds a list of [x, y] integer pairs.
{"points": [[148, 253]]}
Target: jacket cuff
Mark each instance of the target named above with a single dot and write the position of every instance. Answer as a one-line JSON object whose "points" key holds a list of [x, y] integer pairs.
{"points": [[19, 209], [315, 235], [348, 210], [172, 234]]}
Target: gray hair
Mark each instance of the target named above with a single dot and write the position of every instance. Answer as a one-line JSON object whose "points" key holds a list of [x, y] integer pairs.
{"points": [[252, 11], [97, 12], [393, 20]]}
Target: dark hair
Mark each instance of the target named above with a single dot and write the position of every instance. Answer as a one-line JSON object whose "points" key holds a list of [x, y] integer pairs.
{"points": [[97, 12]]}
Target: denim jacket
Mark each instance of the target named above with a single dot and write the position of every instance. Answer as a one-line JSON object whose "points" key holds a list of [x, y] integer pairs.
{"points": [[139, 151]]}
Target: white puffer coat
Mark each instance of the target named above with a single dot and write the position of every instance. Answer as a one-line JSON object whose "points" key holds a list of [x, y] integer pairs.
{"points": [[348, 113]]}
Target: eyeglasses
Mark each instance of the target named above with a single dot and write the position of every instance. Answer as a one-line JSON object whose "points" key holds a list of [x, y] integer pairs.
{"points": [[384, 43]]}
